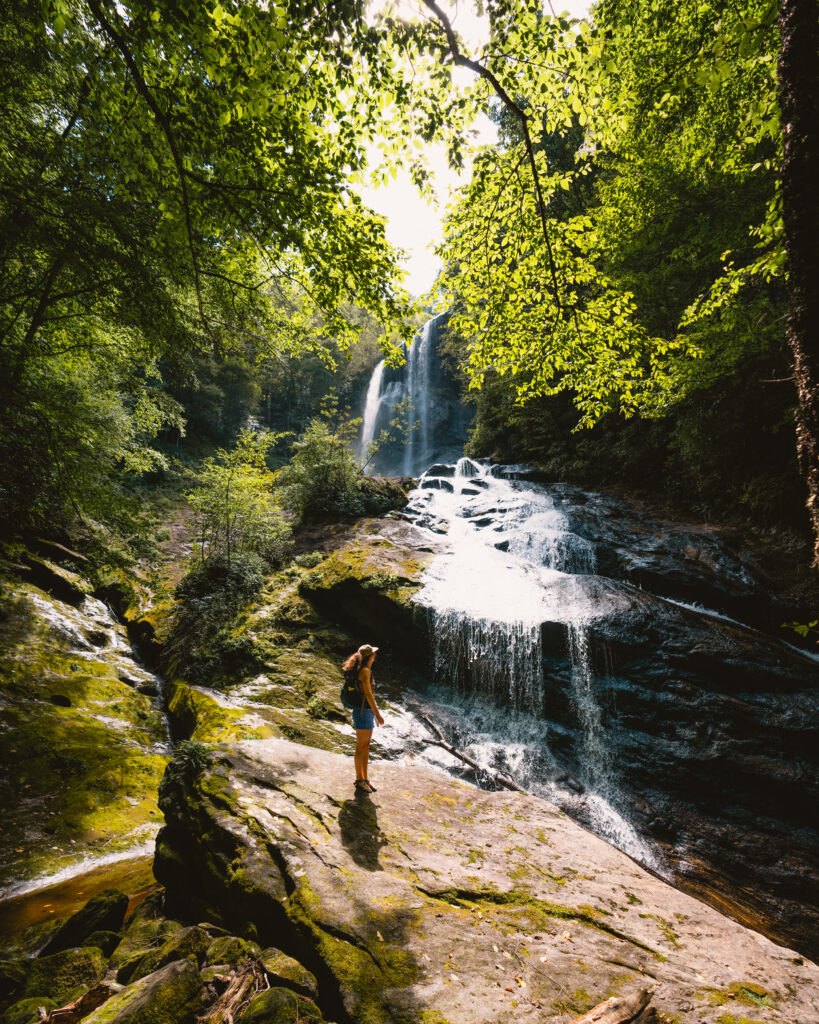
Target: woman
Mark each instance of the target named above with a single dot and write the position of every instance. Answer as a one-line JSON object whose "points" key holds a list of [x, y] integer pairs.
{"points": [[364, 717]]}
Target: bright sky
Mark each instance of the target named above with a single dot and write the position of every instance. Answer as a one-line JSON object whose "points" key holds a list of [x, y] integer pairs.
{"points": [[413, 224]]}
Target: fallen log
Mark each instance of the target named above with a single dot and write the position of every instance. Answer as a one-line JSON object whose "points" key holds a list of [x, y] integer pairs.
{"points": [[619, 1009], [243, 984], [441, 741], [79, 1008]]}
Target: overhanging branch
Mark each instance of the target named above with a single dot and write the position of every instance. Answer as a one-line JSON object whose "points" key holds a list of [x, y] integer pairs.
{"points": [[465, 62], [164, 123]]}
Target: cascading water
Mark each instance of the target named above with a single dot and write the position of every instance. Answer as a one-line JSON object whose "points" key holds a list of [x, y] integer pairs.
{"points": [[372, 403], [436, 420], [512, 566]]}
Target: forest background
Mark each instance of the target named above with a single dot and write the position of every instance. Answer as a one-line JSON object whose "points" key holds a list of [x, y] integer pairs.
{"points": [[185, 254]]}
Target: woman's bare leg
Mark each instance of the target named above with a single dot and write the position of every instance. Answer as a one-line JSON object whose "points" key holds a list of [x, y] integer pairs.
{"points": [[362, 752]]}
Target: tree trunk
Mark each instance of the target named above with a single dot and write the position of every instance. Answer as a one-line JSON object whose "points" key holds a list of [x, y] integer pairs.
{"points": [[799, 114]]}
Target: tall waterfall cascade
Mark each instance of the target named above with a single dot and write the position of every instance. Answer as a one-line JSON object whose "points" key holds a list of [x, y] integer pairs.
{"points": [[433, 421], [511, 566]]}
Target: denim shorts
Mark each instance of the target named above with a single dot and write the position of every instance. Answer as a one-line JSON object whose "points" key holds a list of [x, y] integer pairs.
{"points": [[363, 718]]}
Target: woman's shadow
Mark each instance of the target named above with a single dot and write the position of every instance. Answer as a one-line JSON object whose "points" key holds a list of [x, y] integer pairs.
{"points": [[360, 833]]}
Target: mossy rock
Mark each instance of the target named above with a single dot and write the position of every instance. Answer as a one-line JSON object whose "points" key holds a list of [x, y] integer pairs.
{"points": [[56, 580], [280, 1006], [196, 716], [106, 941], [231, 950], [104, 913], [12, 977], [92, 786], [79, 744], [64, 976], [27, 1011], [370, 584], [285, 971], [187, 943], [170, 995], [142, 935]]}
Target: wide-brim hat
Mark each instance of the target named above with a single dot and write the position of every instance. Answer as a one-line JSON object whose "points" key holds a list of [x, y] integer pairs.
{"points": [[367, 649]]}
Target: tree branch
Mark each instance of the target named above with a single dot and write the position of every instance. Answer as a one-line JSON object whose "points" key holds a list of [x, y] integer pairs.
{"points": [[461, 61], [164, 124]]}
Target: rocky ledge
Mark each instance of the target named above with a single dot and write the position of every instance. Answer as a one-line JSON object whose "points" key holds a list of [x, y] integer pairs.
{"points": [[432, 901]]}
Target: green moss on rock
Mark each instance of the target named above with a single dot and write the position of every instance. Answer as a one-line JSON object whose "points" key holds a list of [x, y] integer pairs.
{"points": [[285, 971], [280, 1006], [146, 930], [199, 717], [232, 950], [191, 942], [27, 1011], [105, 912], [64, 976], [170, 995]]}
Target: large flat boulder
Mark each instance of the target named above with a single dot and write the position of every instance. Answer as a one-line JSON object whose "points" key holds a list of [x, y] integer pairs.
{"points": [[431, 900]]}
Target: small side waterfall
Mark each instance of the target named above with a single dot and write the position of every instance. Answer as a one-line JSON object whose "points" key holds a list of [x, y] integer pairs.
{"points": [[436, 419]]}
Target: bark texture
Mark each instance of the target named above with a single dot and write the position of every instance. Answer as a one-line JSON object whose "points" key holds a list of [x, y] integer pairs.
{"points": [[799, 111]]}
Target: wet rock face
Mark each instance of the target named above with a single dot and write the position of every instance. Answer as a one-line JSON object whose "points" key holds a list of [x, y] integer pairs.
{"points": [[669, 559], [83, 749], [707, 745], [440, 900]]}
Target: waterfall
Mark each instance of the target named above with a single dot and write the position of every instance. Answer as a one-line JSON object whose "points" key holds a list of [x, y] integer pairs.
{"points": [[512, 566], [437, 420], [372, 403], [496, 661], [418, 391]]}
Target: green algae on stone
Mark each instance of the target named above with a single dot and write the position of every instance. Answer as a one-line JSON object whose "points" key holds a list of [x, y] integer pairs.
{"points": [[81, 747], [747, 993], [285, 971], [64, 976], [27, 1011], [280, 1006], [103, 912], [729, 1018], [231, 950], [197, 716], [170, 995], [190, 942], [146, 930]]}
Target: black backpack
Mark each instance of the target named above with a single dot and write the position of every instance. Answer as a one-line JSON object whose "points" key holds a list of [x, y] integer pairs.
{"points": [[352, 696]]}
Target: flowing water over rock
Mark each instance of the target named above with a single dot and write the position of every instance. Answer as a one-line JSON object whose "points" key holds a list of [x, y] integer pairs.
{"points": [[436, 418], [511, 568], [681, 735], [84, 735]]}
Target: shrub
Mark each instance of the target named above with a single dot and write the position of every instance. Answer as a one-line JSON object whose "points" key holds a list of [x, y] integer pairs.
{"points": [[321, 481], [235, 510], [201, 646]]}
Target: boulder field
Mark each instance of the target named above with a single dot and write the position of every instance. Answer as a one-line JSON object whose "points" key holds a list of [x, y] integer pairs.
{"points": [[432, 901]]}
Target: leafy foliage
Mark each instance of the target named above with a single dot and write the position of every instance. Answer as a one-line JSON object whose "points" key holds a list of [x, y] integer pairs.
{"points": [[189, 760], [321, 479], [673, 103], [202, 646], [235, 512]]}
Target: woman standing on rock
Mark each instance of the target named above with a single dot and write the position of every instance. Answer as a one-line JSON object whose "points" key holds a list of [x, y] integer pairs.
{"points": [[359, 667]]}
